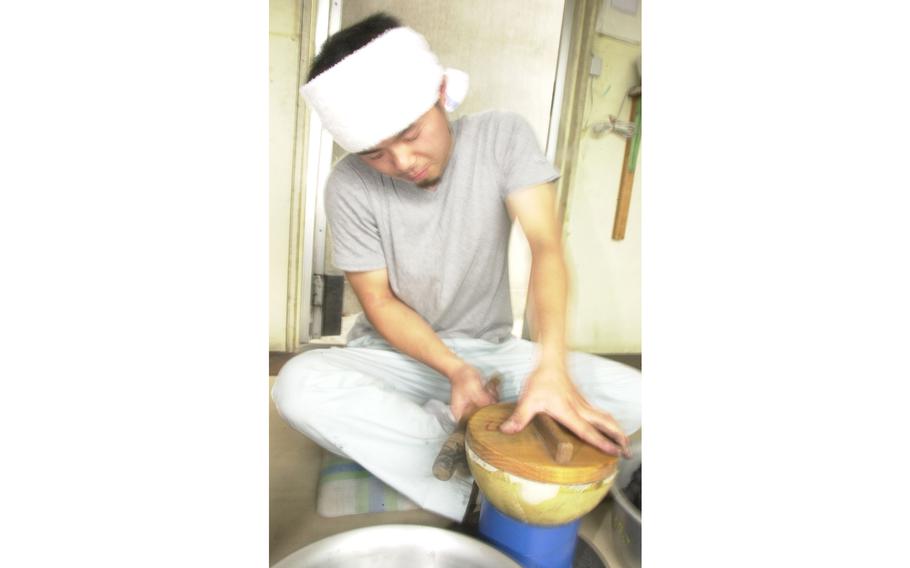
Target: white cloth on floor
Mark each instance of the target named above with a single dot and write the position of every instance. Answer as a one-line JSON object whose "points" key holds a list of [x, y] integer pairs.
{"points": [[369, 402]]}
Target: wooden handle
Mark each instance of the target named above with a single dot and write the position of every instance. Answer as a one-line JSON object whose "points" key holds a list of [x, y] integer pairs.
{"points": [[448, 457], [492, 385], [452, 452], [558, 442], [624, 198]]}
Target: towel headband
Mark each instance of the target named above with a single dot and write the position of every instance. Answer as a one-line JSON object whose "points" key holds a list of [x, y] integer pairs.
{"points": [[379, 90]]}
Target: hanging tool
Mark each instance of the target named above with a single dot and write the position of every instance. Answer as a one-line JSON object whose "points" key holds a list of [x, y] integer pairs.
{"points": [[629, 160]]}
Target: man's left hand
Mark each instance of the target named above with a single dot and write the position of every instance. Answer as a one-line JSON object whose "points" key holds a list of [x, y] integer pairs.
{"points": [[549, 389]]}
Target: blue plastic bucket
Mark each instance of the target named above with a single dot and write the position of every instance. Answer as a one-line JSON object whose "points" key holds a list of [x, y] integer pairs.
{"points": [[532, 546]]}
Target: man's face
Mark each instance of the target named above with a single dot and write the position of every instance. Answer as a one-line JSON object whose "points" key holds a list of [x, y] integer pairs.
{"points": [[419, 153]]}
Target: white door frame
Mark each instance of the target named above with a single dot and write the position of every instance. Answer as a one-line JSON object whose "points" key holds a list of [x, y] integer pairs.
{"points": [[318, 166]]}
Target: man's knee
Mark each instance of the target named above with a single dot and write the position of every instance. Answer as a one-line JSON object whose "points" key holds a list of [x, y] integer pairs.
{"points": [[611, 386], [293, 392]]}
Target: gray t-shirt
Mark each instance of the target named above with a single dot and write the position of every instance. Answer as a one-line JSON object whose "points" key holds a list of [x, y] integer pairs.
{"points": [[446, 249]]}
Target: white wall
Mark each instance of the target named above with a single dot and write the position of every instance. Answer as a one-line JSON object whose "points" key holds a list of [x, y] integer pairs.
{"points": [[605, 296]]}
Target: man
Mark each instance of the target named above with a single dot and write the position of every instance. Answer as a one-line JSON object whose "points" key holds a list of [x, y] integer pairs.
{"points": [[420, 212]]}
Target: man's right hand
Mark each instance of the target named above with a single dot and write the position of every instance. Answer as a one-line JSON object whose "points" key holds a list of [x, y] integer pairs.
{"points": [[470, 391], [409, 333]]}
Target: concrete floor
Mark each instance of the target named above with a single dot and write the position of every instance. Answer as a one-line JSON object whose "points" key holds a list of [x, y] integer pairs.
{"points": [[294, 463]]}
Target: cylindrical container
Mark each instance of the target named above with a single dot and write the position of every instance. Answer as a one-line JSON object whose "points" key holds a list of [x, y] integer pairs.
{"points": [[532, 546]]}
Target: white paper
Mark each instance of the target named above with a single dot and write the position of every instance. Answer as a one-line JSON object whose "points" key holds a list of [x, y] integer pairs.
{"points": [[619, 24], [628, 6]]}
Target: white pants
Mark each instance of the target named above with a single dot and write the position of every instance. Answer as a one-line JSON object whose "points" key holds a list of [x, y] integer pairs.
{"points": [[369, 402]]}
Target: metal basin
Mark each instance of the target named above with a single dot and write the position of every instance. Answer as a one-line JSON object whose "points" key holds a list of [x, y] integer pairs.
{"points": [[398, 546], [626, 521]]}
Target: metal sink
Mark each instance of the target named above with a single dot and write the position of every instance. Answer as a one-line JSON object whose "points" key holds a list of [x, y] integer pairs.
{"points": [[626, 517], [397, 546]]}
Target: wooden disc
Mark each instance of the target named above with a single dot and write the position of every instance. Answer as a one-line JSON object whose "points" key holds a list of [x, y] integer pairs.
{"points": [[524, 454]]}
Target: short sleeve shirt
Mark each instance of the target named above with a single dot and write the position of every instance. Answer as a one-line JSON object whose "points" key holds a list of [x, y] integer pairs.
{"points": [[446, 250]]}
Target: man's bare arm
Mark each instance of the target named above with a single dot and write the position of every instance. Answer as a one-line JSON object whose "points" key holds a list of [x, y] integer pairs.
{"points": [[405, 330], [549, 388]]}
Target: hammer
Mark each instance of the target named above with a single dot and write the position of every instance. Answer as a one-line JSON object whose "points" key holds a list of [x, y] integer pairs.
{"points": [[453, 450]]}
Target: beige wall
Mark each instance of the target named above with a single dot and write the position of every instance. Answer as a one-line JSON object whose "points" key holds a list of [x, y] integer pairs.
{"points": [[605, 298], [284, 54], [508, 47]]}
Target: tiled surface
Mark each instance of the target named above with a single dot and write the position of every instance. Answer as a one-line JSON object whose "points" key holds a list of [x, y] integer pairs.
{"points": [[293, 522]]}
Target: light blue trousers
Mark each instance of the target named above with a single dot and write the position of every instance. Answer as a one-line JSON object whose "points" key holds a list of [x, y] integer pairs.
{"points": [[371, 403]]}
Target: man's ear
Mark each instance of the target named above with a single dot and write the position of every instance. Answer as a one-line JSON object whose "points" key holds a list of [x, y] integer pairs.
{"points": [[442, 92]]}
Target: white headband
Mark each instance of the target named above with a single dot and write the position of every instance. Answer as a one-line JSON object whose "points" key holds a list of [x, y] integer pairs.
{"points": [[380, 89]]}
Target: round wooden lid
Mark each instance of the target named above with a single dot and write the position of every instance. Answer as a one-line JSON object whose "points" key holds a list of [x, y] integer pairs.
{"points": [[525, 454]]}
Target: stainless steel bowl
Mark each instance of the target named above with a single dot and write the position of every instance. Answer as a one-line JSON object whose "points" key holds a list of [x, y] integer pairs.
{"points": [[626, 517], [398, 546]]}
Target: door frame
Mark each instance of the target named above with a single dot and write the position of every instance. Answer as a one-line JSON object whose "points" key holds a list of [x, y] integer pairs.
{"points": [[312, 165]]}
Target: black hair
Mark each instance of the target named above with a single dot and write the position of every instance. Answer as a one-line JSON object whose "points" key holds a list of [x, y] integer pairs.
{"points": [[349, 40]]}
